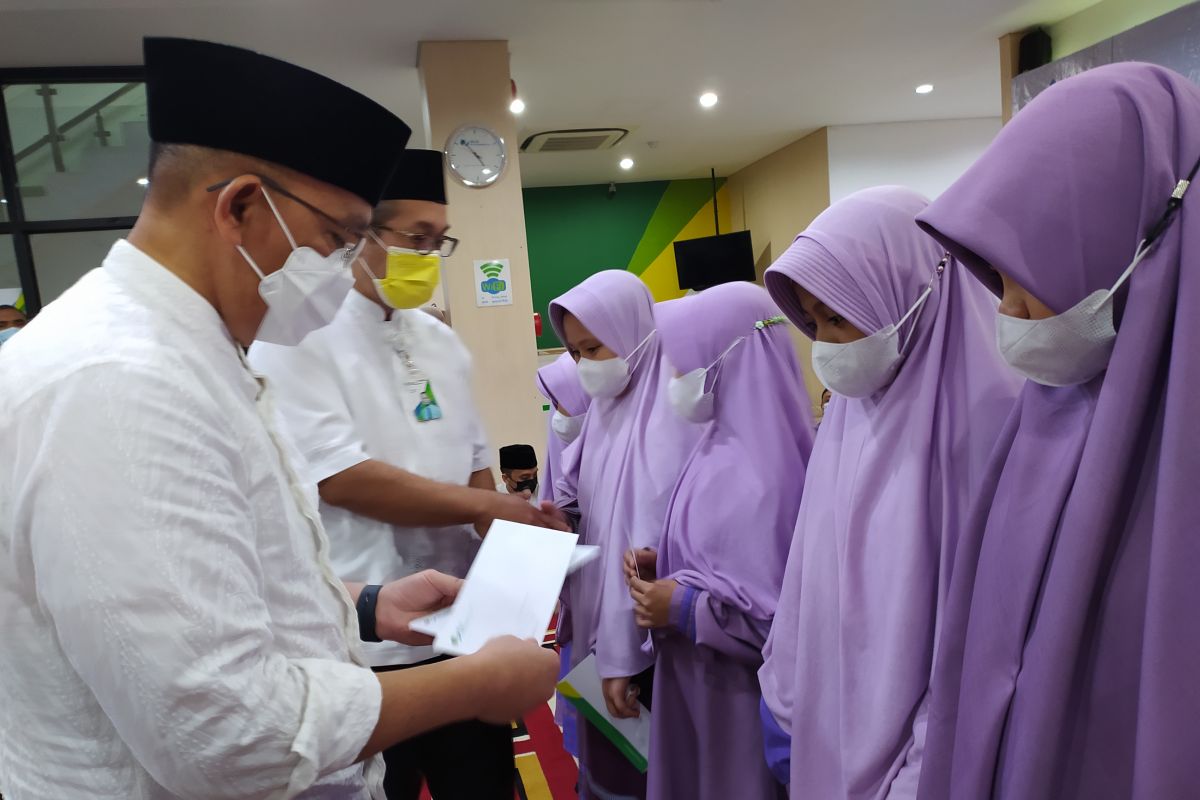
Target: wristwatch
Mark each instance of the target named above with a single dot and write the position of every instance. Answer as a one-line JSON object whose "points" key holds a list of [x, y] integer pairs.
{"points": [[367, 600]]}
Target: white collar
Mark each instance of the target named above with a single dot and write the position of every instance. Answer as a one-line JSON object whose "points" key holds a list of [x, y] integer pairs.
{"points": [[164, 291], [166, 294], [364, 308], [367, 312]]}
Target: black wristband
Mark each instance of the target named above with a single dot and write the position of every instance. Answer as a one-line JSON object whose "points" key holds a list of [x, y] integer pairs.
{"points": [[366, 613]]}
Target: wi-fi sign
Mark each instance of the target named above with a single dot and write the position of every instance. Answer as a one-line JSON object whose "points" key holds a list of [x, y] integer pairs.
{"points": [[492, 283]]}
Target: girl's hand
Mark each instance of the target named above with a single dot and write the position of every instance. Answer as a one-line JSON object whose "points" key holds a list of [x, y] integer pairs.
{"points": [[652, 602], [641, 564]]}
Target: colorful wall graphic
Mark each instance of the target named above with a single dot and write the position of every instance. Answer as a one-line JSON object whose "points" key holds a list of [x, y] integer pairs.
{"points": [[576, 231]]}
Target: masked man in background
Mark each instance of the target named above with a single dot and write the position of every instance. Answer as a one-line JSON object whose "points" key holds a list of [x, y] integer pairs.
{"points": [[381, 406]]}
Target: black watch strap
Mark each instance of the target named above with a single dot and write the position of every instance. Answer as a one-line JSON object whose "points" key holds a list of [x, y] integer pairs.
{"points": [[367, 599]]}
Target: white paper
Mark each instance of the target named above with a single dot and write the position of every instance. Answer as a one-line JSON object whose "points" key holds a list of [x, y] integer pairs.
{"points": [[511, 589], [584, 554], [431, 624], [583, 684]]}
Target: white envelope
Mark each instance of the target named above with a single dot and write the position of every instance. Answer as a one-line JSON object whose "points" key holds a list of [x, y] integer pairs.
{"points": [[510, 590], [432, 623], [584, 554], [582, 688]]}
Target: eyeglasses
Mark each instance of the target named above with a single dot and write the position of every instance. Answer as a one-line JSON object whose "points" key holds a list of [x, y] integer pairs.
{"points": [[423, 243], [350, 240]]}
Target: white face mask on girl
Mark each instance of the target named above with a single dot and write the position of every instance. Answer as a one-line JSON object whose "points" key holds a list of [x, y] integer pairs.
{"points": [[686, 392], [566, 428], [1073, 347], [1069, 348], [862, 368], [607, 378], [304, 294]]}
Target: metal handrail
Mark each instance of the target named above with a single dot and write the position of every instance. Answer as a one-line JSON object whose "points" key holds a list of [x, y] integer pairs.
{"points": [[55, 134]]}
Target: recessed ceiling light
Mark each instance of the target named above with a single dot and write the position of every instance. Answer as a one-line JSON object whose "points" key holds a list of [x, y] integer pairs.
{"points": [[925, 88], [143, 181], [708, 99], [517, 105], [626, 163]]}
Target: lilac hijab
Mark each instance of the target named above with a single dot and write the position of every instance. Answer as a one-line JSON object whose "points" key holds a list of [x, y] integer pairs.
{"points": [[889, 486], [558, 382], [731, 517], [621, 469], [1069, 659]]}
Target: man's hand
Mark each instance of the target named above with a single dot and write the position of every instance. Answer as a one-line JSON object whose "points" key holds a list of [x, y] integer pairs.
{"points": [[513, 676], [652, 602], [402, 601], [621, 698], [641, 564], [515, 509], [556, 518], [502, 682]]}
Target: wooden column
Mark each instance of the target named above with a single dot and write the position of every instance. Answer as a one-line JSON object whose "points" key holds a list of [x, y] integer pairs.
{"points": [[1010, 49], [468, 83]]}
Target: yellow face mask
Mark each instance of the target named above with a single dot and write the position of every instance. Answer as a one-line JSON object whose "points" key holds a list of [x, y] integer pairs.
{"points": [[410, 279]]}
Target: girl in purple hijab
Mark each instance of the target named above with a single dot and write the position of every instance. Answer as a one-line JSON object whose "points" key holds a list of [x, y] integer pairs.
{"points": [[729, 525], [1069, 660], [902, 337], [558, 382], [619, 473]]}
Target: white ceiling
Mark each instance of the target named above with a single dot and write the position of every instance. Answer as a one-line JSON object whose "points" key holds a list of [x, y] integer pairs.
{"points": [[782, 67]]}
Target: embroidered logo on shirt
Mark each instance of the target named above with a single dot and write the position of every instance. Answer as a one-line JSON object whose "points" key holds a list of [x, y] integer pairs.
{"points": [[427, 409]]}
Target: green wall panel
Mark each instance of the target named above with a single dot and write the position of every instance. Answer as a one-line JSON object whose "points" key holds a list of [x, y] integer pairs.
{"points": [[576, 231], [679, 204]]}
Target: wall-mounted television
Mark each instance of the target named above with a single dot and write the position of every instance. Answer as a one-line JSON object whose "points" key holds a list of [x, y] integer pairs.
{"points": [[711, 260]]}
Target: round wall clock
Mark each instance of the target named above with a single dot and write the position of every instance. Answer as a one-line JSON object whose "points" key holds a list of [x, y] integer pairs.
{"points": [[476, 156]]}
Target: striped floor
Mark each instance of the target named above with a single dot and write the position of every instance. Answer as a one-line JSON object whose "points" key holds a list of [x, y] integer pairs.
{"points": [[545, 771]]}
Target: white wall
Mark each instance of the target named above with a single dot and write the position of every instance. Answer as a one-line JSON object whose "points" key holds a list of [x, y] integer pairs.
{"points": [[775, 198], [924, 156]]}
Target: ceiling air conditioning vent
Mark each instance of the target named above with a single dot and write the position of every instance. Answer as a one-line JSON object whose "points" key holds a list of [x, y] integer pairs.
{"points": [[574, 140]]}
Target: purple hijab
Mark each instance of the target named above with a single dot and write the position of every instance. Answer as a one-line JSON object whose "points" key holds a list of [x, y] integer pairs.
{"points": [[729, 526], [621, 469], [558, 382], [889, 486], [1069, 659], [731, 517]]}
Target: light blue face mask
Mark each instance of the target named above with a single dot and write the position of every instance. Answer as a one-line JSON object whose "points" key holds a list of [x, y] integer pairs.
{"points": [[7, 334]]}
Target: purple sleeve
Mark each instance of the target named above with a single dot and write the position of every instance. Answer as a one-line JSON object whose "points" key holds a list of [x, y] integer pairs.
{"points": [[682, 615], [777, 745], [708, 622]]}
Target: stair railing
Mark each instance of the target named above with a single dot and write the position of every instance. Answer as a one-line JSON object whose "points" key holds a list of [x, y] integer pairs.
{"points": [[54, 136]]}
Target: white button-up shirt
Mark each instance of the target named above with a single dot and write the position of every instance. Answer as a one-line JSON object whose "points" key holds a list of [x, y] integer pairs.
{"points": [[348, 393], [171, 624]]}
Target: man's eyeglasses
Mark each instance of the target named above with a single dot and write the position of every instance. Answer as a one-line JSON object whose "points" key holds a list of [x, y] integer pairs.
{"points": [[349, 240], [423, 243]]}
